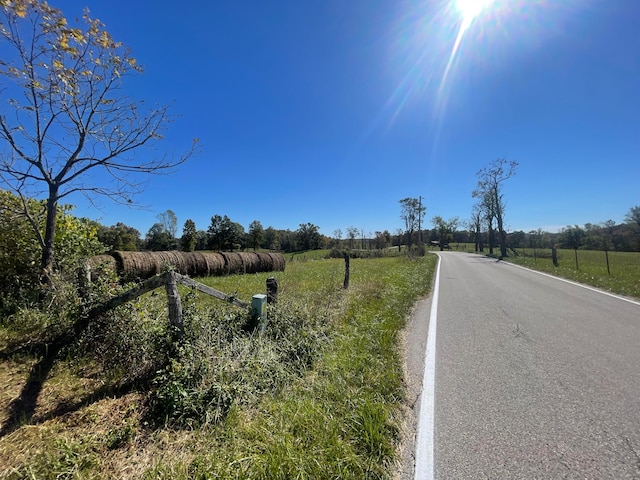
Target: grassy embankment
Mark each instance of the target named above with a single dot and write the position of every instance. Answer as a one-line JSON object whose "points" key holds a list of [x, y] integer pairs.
{"points": [[319, 395], [622, 277]]}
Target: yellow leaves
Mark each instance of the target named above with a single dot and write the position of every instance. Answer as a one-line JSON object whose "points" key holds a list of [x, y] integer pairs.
{"points": [[20, 9], [57, 64], [63, 41], [104, 39]]}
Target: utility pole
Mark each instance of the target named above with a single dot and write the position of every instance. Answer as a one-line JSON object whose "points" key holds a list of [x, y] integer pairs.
{"points": [[419, 218]]}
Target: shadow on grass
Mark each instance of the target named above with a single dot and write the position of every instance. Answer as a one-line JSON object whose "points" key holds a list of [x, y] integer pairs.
{"points": [[21, 411]]}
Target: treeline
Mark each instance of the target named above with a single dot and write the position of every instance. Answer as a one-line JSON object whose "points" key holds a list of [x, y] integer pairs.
{"points": [[623, 237], [222, 234]]}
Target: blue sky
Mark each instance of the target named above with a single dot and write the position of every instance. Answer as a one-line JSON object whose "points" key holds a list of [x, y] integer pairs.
{"points": [[331, 111]]}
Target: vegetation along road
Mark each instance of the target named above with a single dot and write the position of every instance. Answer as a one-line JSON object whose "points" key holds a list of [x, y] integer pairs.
{"points": [[535, 377]]}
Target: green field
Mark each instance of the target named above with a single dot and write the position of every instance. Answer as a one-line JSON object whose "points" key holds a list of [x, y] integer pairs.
{"points": [[319, 395], [622, 276]]}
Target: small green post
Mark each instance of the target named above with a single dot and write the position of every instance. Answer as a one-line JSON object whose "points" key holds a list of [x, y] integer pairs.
{"points": [[259, 309]]}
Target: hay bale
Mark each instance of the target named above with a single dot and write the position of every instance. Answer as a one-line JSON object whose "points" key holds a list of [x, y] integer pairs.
{"points": [[232, 263], [251, 262], [196, 264], [215, 264], [132, 265], [278, 262], [266, 263], [171, 259]]}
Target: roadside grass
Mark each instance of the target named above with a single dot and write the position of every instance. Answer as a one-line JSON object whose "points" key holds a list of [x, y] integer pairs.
{"points": [[319, 395], [623, 276]]}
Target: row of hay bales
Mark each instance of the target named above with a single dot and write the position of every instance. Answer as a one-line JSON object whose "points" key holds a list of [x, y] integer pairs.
{"points": [[131, 265]]}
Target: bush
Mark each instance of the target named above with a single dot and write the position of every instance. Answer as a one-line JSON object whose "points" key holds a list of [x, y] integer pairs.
{"points": [[220, 362], [20, 250]]}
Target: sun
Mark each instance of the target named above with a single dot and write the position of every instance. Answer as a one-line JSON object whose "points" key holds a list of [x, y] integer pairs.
{"points": [[469, 9]]}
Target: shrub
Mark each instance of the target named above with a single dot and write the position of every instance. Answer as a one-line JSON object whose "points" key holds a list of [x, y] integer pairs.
{"points": [[220, 362]]}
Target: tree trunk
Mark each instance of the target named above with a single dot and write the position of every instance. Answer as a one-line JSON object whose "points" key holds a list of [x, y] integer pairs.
{"points": [[46, 263]]}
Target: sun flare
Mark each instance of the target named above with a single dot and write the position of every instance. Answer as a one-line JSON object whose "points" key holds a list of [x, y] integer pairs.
{"points": [[469, 9]]}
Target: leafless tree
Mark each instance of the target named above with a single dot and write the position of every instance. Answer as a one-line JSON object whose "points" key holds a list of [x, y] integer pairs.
{"points": [[66, 126], [489, 191]]}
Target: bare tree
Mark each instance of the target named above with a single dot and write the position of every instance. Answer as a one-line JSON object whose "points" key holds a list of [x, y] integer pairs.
{"points": [[412, 213], [489, 190], [475, 225], [352, 233], [169, 222], [65, 116]]}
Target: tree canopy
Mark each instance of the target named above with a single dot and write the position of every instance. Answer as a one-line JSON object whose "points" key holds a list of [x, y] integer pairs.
{"points": [[64, 115]]}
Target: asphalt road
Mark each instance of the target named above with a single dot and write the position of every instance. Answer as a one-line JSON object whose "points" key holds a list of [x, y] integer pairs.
{"points": [[535, 378]]}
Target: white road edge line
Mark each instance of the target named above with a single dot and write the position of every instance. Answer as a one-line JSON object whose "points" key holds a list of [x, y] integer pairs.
{"points": [[575, 283], [425, 466]]}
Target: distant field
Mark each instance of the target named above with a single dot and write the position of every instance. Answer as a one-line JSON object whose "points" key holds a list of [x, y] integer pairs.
{"points": [[622, 277]]}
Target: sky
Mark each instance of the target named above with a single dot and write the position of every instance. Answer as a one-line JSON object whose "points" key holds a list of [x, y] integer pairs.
{"points": [[331, 111]]}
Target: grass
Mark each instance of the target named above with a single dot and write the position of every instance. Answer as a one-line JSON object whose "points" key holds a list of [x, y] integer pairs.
{"points": [[622, 277], [326, 403]]}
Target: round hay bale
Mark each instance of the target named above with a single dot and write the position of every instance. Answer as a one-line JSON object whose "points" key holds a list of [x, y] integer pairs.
{"points": [[196, 264], [215, 264], [232, 263], [278, 262], [251, 262], [171, 259], [132, 265], [266, 262]]}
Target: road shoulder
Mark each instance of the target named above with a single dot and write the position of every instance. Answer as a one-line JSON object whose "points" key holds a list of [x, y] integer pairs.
{"points": [[413, 342]]}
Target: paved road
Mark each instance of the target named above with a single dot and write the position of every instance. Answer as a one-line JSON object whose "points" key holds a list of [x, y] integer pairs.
{"points": [[535, 377]]}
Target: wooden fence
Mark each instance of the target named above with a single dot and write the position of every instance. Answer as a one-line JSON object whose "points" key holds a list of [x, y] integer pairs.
{"points": [[170, 280]]}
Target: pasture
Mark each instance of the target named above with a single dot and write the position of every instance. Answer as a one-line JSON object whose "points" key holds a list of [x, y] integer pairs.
{"points": [[621, 277], [318, 395]]}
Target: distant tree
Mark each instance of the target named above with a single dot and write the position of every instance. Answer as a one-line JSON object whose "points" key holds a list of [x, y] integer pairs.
{"points": [[572, 237], [256, 234], [189, 236], [65, 122], [202, 240], [475, 225], [633, 216], [215, 233], [445, 229], [169, 222], [633, 220], [517, 239], [382, 239], [120, 237], [352, 234], [489, 189], [308, 237], [412, 213], [159, 239], [271, 239], [224, 234]]}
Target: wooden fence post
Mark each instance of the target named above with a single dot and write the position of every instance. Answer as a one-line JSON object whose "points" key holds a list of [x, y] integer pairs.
{"points": [[174, 303], [346, 271], [272, 290]]}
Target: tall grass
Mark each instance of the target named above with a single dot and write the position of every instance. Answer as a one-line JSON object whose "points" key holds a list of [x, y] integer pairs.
{"points": [[318, 395], [622, 276]]}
